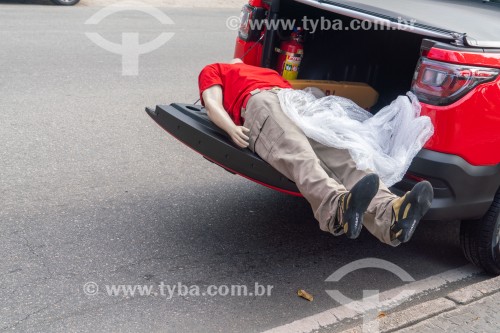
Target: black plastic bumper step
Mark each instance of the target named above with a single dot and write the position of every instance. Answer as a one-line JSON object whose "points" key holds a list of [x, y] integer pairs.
{"points": [[191, 125]]}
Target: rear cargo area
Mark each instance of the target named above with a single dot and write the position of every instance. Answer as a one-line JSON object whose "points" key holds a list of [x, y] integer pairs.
{"points": [[385, 60]]}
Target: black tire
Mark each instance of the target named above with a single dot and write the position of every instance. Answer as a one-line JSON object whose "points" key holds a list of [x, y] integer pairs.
{"points": [[480, 239], [65, 2]]}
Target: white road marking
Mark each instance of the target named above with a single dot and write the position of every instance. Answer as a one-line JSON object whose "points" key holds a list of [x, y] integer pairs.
{"points": [[387, 299]]}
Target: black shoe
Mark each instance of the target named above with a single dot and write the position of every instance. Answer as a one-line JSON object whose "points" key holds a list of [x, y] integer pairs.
{"points": [[409, 209], [353, 204]]}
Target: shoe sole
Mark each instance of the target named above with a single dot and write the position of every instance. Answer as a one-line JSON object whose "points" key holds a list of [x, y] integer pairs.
{"points": [[413, 208], [359, 199]]}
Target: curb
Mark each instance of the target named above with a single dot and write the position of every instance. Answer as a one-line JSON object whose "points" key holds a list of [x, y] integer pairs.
{"points": [[421, 312], [476, 291]]}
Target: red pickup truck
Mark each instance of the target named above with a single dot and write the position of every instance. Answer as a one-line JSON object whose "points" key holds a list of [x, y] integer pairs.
{"points": [[446, 52]]}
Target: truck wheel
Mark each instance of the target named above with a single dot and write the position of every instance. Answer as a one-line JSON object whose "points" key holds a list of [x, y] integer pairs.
{"points": [[65, 2], [480, 239]]}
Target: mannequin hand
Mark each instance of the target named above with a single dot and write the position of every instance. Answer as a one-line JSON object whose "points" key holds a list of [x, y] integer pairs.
{"points": [[237, 134]]}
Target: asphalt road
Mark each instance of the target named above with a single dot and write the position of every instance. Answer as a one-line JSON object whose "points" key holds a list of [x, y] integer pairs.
{"points": [[92, 190]]}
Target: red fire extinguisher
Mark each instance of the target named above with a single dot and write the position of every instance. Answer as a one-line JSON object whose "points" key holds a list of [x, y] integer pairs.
{"points": [[290, 56]]}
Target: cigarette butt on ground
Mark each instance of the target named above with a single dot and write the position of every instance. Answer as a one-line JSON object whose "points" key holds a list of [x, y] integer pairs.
{"points": [[304, 294]]}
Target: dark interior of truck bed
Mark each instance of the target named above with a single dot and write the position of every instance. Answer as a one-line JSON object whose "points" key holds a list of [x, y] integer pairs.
{"points": [[386, 60]]}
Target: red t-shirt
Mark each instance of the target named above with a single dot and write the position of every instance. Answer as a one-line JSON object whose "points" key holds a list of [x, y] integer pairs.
{"points": [[237, 81]]}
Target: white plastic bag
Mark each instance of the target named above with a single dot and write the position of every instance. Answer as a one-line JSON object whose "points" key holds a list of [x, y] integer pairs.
{"points": [[384, 143]]}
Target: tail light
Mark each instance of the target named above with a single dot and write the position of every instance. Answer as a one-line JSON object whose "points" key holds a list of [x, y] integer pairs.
{"points": [[441, 83], [251, 25]]}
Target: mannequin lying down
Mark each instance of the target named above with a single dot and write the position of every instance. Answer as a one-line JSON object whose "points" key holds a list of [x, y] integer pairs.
{"points": [[336, 172]]}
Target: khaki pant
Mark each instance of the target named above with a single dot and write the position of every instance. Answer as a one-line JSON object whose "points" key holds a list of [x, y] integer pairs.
{"points": [[321, 173]]}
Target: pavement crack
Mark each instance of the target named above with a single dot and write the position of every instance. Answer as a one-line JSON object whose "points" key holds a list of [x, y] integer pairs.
{"points": [[20, 321], [11, 272], [42, 258]]}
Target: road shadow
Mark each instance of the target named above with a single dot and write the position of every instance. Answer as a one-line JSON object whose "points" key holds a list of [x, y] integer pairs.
{"points": [[269, 230]]}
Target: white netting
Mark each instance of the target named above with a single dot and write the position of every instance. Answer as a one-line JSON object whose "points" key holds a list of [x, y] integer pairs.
{"points": [[384, 143]]}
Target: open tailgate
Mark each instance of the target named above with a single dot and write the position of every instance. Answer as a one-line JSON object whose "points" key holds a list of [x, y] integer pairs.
{"points": [[191, 125]]}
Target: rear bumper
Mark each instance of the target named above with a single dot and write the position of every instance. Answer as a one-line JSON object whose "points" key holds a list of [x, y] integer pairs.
{"points": [[461, 190]]}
